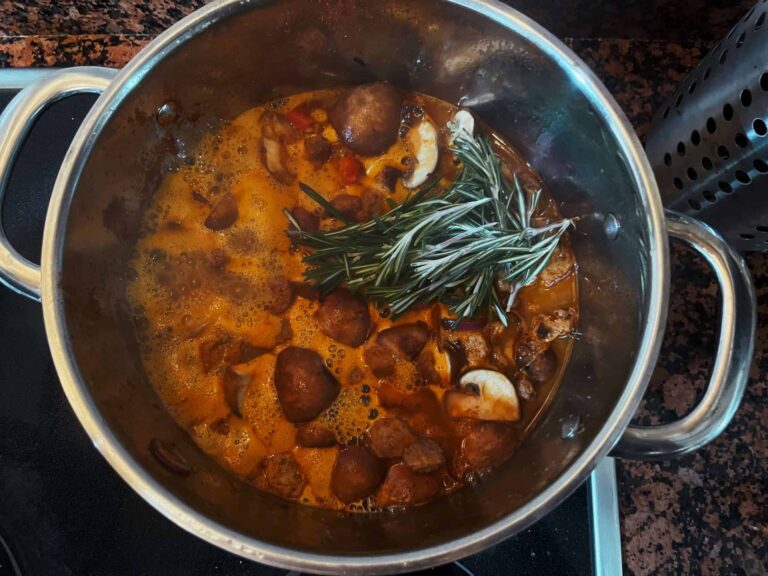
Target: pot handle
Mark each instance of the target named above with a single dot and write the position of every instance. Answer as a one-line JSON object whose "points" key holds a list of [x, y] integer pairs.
{"points": [[16, 272], [730, 370]]}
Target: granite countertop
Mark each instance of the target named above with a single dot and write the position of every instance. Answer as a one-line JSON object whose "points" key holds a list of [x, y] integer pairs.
{"points": [[706, 513]]}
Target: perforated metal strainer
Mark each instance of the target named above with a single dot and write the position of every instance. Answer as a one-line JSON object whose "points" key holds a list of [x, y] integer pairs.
{"points": [[708, 143]]}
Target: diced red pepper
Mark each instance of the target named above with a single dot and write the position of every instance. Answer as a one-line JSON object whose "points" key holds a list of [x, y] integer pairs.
{"points": [[349, 169], [300, 118]]}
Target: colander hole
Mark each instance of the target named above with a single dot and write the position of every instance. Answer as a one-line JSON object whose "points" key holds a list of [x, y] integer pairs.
{"points": [[709, 196], [722, 151], [760, 166], [761, 228], [692, 88], [759, 127], [742, 177], [741, 140], [728, 112], [666, 113], [723, 56], [706, 163], [681, 149], [711, 125], [764, 81], [695, 138], [725, 187], [694, 204], [760, 21], [692, 174], [746, 236], [740, 40], [707, 73], [668, 159], [746, 98], [678, 101], [678, 183]]}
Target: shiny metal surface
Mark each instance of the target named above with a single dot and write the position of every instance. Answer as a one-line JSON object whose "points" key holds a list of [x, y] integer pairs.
{"points": [[730, 370], [231, 55], [708, 143], [16, 272], [606, 527]]}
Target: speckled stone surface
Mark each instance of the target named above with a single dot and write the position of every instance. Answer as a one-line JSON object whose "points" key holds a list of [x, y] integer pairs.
{"points": [[706, 513]]}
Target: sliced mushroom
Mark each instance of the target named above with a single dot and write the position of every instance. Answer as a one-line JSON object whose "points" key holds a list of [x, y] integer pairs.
{"points": [[235, 383], [275, 131], [463, 121], [423, 142], [484, 395]]}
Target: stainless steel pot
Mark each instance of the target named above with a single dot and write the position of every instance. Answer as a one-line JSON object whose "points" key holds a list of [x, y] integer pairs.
{"points": [[234, 54]]}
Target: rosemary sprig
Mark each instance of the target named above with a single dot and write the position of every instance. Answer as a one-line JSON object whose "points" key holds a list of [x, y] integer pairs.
{"points": [[454, 245]]}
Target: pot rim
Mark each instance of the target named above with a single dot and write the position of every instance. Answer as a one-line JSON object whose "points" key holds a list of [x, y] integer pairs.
{"points": [[167, 503]]}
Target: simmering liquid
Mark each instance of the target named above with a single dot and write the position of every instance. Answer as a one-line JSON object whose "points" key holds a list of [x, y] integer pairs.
{"points": [[217, 298]]}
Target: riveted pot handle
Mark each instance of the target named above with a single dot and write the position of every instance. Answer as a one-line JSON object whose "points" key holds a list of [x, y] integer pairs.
{"points": [[16, 272], [730, 371]]}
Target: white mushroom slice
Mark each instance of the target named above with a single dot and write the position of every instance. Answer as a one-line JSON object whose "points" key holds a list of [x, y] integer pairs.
{"points": [[484, 395], [275, 132], [463, 121], [274, 156], [422, 140]]}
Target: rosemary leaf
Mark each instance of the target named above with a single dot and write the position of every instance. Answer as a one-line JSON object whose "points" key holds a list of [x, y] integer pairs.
{"points": [[450, 245]]}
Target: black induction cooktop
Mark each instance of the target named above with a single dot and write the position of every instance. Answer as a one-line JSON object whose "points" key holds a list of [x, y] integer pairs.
{"points": [[64, 511]]}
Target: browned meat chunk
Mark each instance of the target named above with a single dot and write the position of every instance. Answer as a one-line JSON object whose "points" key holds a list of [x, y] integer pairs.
{"points": [[317, 149], [245, 352], [351, 207], [527, 349], [223, 214], [344, 317], [356, 474], [403, 487], [424, 456], [487, 445], [548, 327], [543, 367], [219, 259], [524, 387], [560, 266], [306, 291], [405, 340], [476, 349], [277, 127], [314, 435], [389, 437], [304, 387], [211, 352], [307, 221], [281, 292], [373, 202], [380, 361], [221, 348], [388, 177], [367, 118], [286, 332], [284, 475]]}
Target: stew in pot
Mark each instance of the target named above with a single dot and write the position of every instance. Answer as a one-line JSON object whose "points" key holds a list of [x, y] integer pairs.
{"points": [[355, 298]]}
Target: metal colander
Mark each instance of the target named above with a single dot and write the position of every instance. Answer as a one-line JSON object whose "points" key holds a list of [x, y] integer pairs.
{"points": [[708, 142]]}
